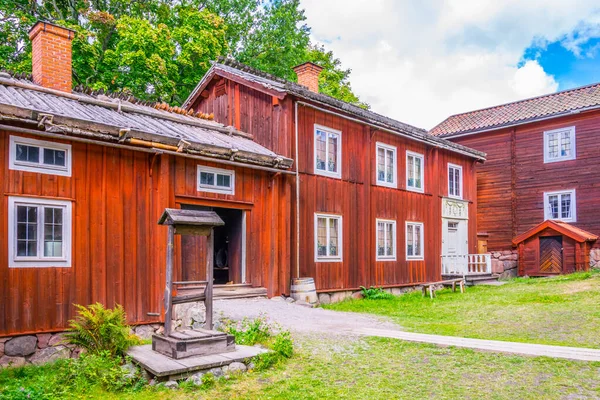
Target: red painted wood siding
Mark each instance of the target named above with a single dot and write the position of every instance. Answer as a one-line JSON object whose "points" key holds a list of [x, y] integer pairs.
{"points": [[502, 218]]}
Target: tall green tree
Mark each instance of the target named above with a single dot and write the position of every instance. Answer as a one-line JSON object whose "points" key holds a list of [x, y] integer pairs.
{"points": [[160, 49]]}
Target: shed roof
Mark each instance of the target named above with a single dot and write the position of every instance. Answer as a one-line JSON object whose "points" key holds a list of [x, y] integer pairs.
{"points": [[279, 87], [575, 233], [521, 112], [79, 113], [175, 216]]}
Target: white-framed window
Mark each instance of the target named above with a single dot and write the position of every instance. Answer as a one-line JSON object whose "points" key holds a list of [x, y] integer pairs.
{"points": [[328, 152], [560, 205], [455, 181], [39, 156], [39, 232], [216, 180], [386, 240], [386, 165], [328, 237], [414, 241], [414, 171], [559, 145]]}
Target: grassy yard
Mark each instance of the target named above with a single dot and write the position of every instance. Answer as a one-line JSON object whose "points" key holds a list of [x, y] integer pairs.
{"points": [[380, 368], [563, 310]]}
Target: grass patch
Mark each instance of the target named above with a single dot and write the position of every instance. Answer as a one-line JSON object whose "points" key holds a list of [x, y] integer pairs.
{"points": [[561, 311]]}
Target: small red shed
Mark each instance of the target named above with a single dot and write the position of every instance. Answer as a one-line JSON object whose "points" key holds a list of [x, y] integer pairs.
{"points": [[552, 248]]}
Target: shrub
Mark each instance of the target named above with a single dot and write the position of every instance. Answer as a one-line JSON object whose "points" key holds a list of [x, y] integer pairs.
{"points": [[374, 293], [101, 330], [248, 331]]}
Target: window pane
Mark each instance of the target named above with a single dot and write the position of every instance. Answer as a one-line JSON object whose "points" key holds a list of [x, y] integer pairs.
{"points": [[54, 157], [451, 182], [53, 227], [409, 240], [553, 145], [553, 206], [223, 180], [27, 231], [28, 153], [380, 239], [565, 146], [390, 166], [457, 179], [332, 152], [333, 237], [411, 171], [389, 238], [380, 164], [207, 178], [565, 206], [417, 240], [322, 236], [417, 172], [321, 150]]}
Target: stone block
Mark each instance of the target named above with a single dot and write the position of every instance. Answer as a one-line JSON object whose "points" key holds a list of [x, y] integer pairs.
{"points": [[357, 295], [510, 273], [196, 379], [507, 252], [144, 332], [336, 297], [20, 346], [43, 339], [509, 265], [57, 339], [496, 254], [497, 266], [8, 361], [50, 354], [236, 368], [397, 291], [190, 314], [324, 298], [1, 349]]}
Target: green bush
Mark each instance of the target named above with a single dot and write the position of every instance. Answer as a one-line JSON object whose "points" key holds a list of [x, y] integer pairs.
{"points": [[248, 331], [374, 293], [100, 330]]}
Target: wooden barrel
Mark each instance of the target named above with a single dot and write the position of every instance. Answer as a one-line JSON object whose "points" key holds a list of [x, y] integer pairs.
{"points": [[304, 289]]}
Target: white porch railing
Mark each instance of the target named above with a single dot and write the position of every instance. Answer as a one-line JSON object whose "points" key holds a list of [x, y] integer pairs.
{"points": [[467, 264]]}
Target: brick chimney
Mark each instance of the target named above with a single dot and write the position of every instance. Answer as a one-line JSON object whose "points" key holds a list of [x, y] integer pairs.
{"points": [[308, 75], [51, 55]]}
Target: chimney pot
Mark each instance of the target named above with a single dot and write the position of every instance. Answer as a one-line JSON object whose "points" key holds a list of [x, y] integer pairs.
{"points": [[308, 75], [51, 55]]}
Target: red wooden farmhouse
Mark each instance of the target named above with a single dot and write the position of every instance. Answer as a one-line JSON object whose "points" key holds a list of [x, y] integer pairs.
{"points": [[307, 186], [541, 166]]}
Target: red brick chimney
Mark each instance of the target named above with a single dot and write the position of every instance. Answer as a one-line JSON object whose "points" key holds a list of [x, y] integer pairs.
{"points": [[51, 55], [308, 75]]}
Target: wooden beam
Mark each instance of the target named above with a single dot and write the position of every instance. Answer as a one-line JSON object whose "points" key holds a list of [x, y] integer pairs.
{"points": [[169, 279], [208, 302]]}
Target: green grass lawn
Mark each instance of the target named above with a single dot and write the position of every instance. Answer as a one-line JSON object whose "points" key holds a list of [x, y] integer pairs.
{"points": [[563, 310]]}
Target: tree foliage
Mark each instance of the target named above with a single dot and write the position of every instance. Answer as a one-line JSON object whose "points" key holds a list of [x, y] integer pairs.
{"points": [[160, 49]]}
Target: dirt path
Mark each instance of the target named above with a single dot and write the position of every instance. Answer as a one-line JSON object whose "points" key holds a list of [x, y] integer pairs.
{"points": [[300, 319]]}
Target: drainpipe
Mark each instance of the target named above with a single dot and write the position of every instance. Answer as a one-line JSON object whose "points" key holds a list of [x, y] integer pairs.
{"points": [[297, 192]]}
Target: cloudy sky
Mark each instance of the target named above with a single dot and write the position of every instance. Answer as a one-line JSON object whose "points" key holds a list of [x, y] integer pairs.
{"points": [[420, 61]]}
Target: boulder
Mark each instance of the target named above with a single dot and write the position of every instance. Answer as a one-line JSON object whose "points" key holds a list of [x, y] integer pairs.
{"points": [[396, 291], [144, 332], [497, 266], [509, 273], [324, 298], [216, 372], [196, 379], [251, 366], [289, 300], [50, 354], [190, 314], [359, 295], [20, 346], [58, 339], [171, 384], [1, 349], [237, 368], [338, 296], [509, 265], [8, 361], [129, 370], [506, 252], [43, 339], [496, 254]]}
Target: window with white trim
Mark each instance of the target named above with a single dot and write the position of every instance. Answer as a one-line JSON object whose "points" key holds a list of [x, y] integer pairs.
{"points": [[414, 171], [39, 232], [39, 156], [414, 241], [560, 206], [328, 237], [386, 165], [216, 180], [386, 240], [454, 181], [328, 152], [559, 145]]}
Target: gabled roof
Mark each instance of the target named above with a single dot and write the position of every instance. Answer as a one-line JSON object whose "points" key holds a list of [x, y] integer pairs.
{"points": [[577, 234], [108, 119], [279, 88], [520, 112]]}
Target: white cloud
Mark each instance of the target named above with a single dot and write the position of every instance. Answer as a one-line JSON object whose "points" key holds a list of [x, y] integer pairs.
{"points": [[420, 62]]}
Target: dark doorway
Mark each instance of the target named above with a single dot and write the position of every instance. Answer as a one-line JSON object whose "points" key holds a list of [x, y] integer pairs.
{"points": [[551, 255], [228, 248]]}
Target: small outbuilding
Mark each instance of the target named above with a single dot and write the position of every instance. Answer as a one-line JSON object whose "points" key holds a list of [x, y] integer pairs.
{"points": [[553, 248]]}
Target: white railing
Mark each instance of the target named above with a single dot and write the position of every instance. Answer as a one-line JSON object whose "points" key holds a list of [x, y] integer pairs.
{"points": [[467, 264]]}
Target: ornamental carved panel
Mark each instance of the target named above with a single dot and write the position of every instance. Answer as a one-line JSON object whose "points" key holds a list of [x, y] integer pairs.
{"points": [[457, 209]]}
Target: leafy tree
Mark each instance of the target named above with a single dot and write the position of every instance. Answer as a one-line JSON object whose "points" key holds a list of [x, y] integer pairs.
{"points": [[160, 49]]}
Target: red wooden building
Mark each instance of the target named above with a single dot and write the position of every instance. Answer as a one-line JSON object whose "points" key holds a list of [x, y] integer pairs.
{"points": [[541, 165], [306, 185]]}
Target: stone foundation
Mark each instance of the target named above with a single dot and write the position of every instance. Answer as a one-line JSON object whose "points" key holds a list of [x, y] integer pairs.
{"points": [[335, 297], [505, 263], [595, 258]]}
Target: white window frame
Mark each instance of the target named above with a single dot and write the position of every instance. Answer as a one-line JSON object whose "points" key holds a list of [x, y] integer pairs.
{"points": [[214, 188], [559, 193], [339, 257], [573, 156], [386, 148], [422, 157], [39, 167], [422, 239], [338, 173], [460, 185], [394, 239], [15, 261]]}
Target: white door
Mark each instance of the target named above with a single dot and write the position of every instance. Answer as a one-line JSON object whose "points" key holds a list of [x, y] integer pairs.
{"points": [[455, 245]]}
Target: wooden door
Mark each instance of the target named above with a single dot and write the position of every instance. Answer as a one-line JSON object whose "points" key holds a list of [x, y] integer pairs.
{"points": [[551, 255]]}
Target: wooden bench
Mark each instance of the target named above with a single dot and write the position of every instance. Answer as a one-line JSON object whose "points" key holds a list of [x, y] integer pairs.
{"points": [[450, 282]]}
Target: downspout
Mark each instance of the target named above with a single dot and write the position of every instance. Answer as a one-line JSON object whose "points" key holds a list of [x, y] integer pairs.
{"points": [[297, 192]]}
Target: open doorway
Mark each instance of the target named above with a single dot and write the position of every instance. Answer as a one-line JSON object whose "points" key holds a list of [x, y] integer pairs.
{"points": [[229, 248]]}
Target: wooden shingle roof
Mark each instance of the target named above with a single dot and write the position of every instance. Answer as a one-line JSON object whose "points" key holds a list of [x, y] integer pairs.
{"points": [[575, 233]]}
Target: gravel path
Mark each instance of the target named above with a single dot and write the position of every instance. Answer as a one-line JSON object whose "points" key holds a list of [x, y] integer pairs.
{"points": [[298, 318]]}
